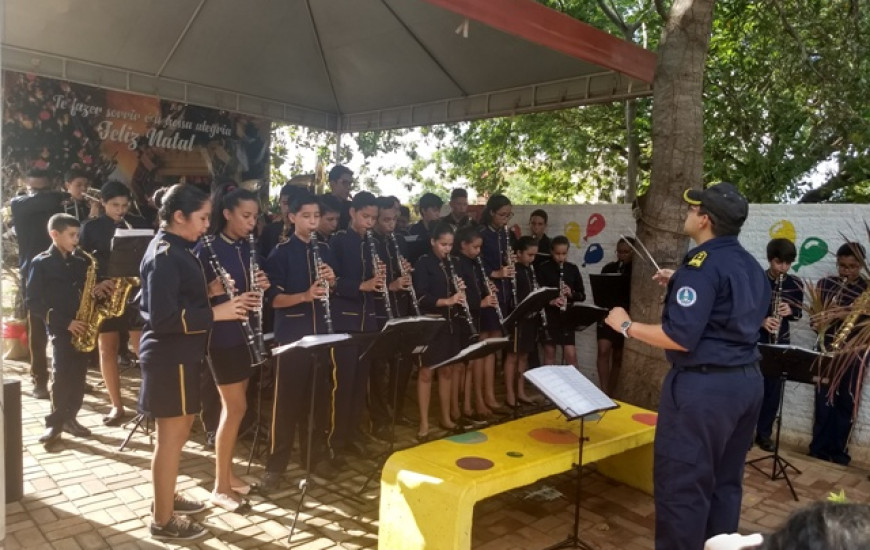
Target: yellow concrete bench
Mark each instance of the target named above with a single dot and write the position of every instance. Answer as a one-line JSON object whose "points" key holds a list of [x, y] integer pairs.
{"points": [[428, 492]]}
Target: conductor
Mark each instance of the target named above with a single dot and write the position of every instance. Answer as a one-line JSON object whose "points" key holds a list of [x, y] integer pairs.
{"points": [[715, 304]]}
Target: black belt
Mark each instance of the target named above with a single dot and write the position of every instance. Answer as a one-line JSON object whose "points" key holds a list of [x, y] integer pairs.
{"points": [[712, 369]]}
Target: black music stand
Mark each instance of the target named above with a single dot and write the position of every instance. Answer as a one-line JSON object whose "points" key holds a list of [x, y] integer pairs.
{"points": [[128, 249], [268, 340], [576, 397], [580, 316], [399, 338], [530, 305], [477, 350], [610, 290], [311, 348], [786, 363]]}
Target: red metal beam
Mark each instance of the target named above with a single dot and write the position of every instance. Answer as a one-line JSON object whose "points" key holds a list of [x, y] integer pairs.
{"points": [[537, 23]]}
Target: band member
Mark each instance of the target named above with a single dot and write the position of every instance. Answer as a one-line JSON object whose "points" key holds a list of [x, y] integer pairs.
{"points": [[834, 413], [458, 216], [340, 186], [388, 381], [610, 342], [301, 303], [403, 222], [497, 256], [30, 215], [96, 237], [525, 337], [560, 273], [54, 289], [788, 296], [178, 319], [429, 208], [358, 281], [82, 208], [714, 305], [330, 213], [279, 231], [438, 294], [479, 295], [234, 217], [538, 231]]}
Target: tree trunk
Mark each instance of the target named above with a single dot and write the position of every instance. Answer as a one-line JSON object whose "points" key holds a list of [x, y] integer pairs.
{"points": [[633, 150], [677, 163]]}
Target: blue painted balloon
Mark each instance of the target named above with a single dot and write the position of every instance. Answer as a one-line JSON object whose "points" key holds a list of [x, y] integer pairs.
{"points": [[594, 254]]}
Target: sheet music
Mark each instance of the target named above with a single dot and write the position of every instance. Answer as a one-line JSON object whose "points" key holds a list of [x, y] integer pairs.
{"points": [[134, 233], [574, 394], [312, 340], [480, 344]]}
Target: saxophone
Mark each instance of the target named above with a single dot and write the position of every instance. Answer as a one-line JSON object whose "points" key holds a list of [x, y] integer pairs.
{"points": [[114, 305], [88, 312], [861, 306]]}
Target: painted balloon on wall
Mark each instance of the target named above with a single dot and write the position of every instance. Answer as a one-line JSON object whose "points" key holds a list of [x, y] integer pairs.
{"points": [[594, 254], [783, 229], [572, 232], [811, 251], [594, 226]]}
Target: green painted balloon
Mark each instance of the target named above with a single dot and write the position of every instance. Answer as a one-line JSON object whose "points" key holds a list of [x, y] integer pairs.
{"points": [[812, 250]]}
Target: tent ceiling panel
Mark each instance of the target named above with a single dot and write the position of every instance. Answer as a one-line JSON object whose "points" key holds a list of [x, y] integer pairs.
{"points": [[332, 64]]}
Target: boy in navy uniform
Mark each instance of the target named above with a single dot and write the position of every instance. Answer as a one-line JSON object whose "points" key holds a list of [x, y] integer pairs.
{"points": [[781, 254], [54, 290], [356, 285], [300, 310], [76, 182], [711, 397], [429, 207], [832, 422], [458, 216]]}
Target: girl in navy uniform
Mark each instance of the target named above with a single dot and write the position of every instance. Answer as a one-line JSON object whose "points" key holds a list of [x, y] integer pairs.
{"points": [[96, 238], [438, 296], [495, 251], [234, 217], [467, 243], [559, 333], [525, 336], [300, 303], [610, 342], [178, 320]]}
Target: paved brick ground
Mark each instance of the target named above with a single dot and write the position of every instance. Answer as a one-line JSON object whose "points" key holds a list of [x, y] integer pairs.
{"points": [[88, 495]]}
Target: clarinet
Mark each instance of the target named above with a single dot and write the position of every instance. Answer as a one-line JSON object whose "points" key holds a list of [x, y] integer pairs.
{"points": [[535, 287], [376, 270], [224, 278], [510, 263], [451, 272], [488, 284], [318, 263], [404, 272], [777, 300], [257, 314], [564, 305]]}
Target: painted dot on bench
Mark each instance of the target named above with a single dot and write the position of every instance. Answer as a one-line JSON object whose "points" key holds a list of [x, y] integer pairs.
{"points": [[474, 463], [553, 436], [515, 454], [645, 418], [469, 438]]}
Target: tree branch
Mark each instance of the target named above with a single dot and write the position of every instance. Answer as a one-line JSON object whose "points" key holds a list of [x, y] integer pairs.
{"points": [[662, 10]]}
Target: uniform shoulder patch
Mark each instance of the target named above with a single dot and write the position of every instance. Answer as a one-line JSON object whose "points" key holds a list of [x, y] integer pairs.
{"points": [[698, 259], [162, 247], [686, 296]]}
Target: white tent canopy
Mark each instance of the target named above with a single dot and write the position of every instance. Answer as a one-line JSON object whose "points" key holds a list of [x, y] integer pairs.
{"points": [[340, 65]]}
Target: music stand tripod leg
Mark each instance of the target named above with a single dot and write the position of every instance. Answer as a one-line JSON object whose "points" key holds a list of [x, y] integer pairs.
{"points": [[306, 481], [137, 424], [573, 540], [256, 442], [382, 457]]}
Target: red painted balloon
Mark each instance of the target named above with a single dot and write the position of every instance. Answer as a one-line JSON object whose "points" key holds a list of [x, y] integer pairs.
{"points": [[594, 226]]}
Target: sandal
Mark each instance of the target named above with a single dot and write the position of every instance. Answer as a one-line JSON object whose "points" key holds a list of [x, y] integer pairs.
{"points": [[115, 417]]}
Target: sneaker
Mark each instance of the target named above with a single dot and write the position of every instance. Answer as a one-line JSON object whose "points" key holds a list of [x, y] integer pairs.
{"points": [[184, 505], [40, 392], [177, 528], [73, 427], [270, 482], [210, 438], [765, 443], [227, 502]]}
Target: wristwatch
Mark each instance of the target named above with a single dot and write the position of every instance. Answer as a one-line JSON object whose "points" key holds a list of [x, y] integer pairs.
{"points": [[624, 328]]}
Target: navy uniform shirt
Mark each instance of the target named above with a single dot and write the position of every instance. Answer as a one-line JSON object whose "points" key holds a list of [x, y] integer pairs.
{"points": [[354, 310], [174, 303], [432, 283], [543, 254], [457, 225], [838, 294], [30, 214], [273, 234], [475, 292], [494, 253], [291, 271], [80, 210], [235, 258], [96, 238], [54, 288], [793, 295], [714, 305], [418, 241]]}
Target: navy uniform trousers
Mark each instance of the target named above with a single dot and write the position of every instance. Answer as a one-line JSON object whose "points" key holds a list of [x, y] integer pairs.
{"points": [[692, 452], [69, 371]]}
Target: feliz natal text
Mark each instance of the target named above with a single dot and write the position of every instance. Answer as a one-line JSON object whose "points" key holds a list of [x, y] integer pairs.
{"points": [[107, 130]]}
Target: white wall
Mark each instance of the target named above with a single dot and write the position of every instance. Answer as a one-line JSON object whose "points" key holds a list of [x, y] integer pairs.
{"points": [[812, 227]]}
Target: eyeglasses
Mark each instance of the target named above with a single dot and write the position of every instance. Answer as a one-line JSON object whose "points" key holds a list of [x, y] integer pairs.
{"points": [[505, 215]]}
